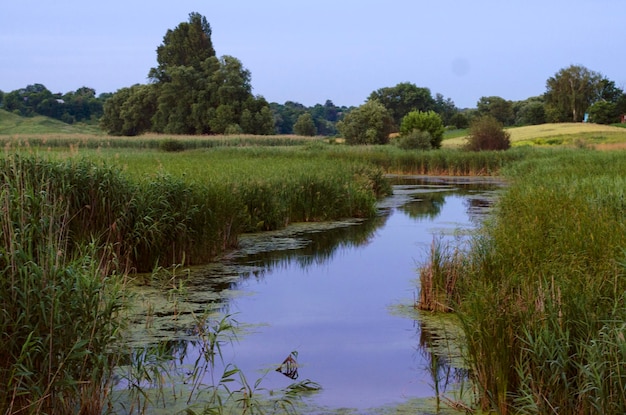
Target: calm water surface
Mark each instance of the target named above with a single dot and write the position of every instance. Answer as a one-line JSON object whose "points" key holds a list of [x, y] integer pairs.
{"points": [[332, 296]]}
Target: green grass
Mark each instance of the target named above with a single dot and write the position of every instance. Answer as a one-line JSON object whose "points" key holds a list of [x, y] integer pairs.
{"points": [[11, 124]]}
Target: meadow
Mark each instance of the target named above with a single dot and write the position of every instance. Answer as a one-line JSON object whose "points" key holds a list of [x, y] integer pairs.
{"points": [[562, 134], [539, 294]]}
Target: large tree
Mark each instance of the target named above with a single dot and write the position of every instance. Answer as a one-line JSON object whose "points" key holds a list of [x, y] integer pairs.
{"points": [[571, 91], [189, 44], [194, 91], [402, 99], [499, 108], [370, 123]]}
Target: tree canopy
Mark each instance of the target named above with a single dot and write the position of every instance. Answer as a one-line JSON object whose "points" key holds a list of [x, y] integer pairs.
{"points": [[370, 123], [404, 98], [81, 105], [571, 91], [193, 91], [428, 121]]}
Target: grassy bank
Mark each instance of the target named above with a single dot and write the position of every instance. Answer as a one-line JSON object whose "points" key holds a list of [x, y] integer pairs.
{"points": [[541, 292]]}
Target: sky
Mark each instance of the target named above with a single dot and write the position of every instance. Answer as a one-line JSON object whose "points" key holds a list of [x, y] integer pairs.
{"points": [[312, 51]]}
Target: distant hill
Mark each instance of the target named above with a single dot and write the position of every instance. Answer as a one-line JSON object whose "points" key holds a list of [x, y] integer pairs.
{"points": [[14, 124]]}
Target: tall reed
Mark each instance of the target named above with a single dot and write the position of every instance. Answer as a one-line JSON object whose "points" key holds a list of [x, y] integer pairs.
{"points": [[59, 305], [541, 298]]}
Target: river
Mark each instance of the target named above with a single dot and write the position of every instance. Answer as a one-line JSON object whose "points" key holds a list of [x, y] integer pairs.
{"points": [[334, 294]]}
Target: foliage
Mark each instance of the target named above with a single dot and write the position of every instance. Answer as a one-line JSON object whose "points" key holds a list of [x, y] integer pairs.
{"points": [[498, 108], [368, 124], [81, 105], [603, 112], [171, 144], [571, 91], [415, 140], [325, 117], [459, 120], [194, 91], [541, 297], [429, 122], [129, 112], [304, 125], [402, 99], [487, 133], [59, 300], [530, 112], [446, 109], [188, 45], [196, 207]]}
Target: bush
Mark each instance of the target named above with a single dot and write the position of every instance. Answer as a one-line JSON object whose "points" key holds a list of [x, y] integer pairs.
{"points": [[487, 133], [305, 125], [415, 140], [171, 145], [430, 122], [370, 123]]}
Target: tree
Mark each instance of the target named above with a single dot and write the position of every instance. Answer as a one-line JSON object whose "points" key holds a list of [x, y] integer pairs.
{"points": [[189, 44], [487, 133], [530, 111], [370, 123], [445, 108], [603, 112], [571, 91], [130, 110], [429, 122], [193, 91], [305, 125], [402, 99], [459, 120], [499, 108]]}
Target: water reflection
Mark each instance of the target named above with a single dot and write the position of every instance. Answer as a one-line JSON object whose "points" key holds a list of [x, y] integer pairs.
{"points": [[325, 291]]}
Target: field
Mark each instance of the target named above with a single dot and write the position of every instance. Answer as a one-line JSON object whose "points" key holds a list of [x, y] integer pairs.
{"points": [[565, 134]]}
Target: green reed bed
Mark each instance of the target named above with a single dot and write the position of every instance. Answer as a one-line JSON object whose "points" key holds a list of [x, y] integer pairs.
{"points": [[541, 292], [157, 208], [149, 141], [443, 162], [59, 305]]}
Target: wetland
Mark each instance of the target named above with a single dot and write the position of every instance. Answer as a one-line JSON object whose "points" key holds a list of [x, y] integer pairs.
{"points": [[339, 294]]}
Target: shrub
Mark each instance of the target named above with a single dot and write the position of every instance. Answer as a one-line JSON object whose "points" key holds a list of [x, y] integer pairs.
{"points": [[169, 144], [415, 140], [305, 125], [430, 122], [487, 133], [370, 123]]}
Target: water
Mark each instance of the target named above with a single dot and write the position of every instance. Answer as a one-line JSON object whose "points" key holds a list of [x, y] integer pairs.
{"points": [[333, 296]]}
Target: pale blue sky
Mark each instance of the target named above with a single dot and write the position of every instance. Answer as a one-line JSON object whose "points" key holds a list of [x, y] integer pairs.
{"points": [[311, 51]]}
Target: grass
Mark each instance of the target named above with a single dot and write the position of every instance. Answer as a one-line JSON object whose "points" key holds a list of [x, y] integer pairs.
{"points": [[11, 124]]}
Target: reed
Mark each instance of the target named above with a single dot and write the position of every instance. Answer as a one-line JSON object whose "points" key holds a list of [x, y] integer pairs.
{"points": [[443, 162], [60, 305], [541, 297]]}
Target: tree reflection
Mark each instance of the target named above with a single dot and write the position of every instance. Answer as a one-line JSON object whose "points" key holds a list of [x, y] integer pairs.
{"points": [[317, 248], [428, 206]]}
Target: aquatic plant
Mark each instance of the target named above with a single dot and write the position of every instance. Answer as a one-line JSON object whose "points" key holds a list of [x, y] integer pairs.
{"points": [[60, 301], [541, 294]]}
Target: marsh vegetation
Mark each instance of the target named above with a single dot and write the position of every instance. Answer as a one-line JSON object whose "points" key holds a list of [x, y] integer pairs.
{"points": [[539, 293]]}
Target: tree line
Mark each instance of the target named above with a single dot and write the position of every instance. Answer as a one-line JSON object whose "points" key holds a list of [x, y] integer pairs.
{"points": [[81, 105], [192, 91]]}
